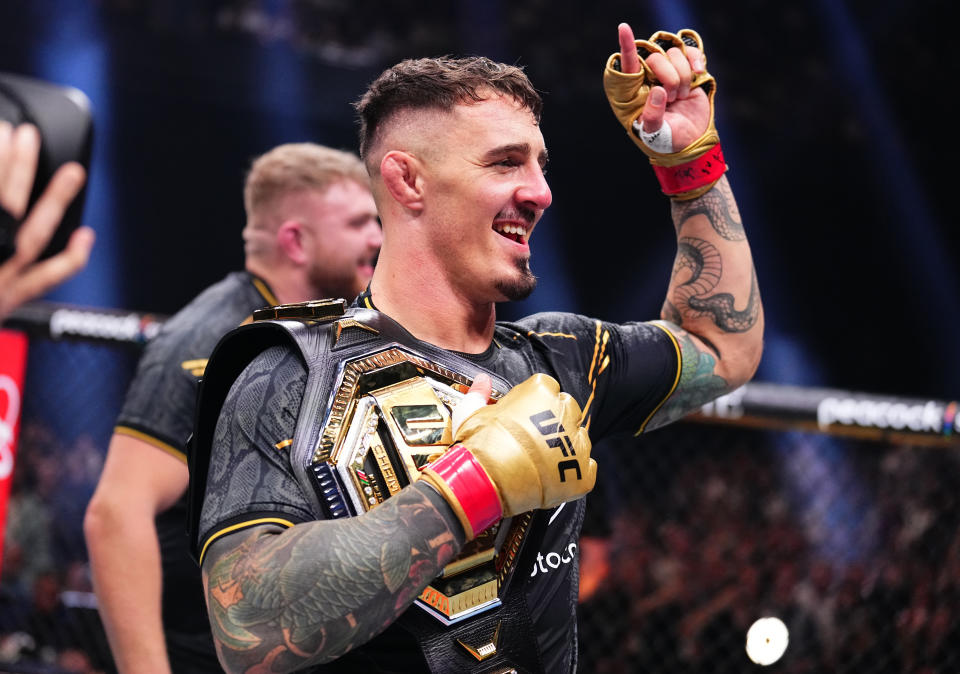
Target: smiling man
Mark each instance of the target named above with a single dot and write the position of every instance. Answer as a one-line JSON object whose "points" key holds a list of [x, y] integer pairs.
{"points": [[311, 231], [357, 506]]}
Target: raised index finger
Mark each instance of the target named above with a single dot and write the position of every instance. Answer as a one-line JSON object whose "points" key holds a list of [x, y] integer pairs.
{"points": [[629, 59]]}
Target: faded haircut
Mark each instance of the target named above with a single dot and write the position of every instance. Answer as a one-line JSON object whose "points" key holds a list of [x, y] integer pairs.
{"points": [[296, 167], [439, 84]]}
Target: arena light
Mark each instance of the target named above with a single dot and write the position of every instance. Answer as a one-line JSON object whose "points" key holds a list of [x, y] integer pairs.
{"points": [[767, 641], [281, 83]]}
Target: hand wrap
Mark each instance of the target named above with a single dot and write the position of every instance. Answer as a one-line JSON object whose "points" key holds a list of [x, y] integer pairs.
{"points": [[527, 451], [693, 170]]}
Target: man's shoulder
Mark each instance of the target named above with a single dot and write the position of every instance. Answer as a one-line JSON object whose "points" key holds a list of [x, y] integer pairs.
{"points": [[280, 361], [555, 343], [208, 316], [561, 324], [159, 400], [256, 348], [227, 302], [558, 324]]}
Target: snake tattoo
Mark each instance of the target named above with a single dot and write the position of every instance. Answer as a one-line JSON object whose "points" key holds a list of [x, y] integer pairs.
{"points": [[691, 298]]}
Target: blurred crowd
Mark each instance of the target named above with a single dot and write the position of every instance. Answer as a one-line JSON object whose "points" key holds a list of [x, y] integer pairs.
{"points": [[859, 557], [48, 615]]}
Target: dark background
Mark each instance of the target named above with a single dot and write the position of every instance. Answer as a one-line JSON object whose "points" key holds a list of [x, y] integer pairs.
{"points": [[836, 119]]}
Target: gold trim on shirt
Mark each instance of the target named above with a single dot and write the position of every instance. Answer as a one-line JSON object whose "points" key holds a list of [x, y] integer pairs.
{"points": [[264, 290], [287, 524], [150, 440], [676, 379]]}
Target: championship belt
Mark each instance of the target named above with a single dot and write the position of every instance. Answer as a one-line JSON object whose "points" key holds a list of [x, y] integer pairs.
{"points": [[376, 410], [385, 401]]}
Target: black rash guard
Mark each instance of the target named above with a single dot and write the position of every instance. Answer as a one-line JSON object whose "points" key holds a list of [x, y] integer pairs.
{"points": [[159, 409], [620, 374]]}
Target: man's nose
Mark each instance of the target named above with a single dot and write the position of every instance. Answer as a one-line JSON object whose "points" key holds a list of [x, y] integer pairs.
{"points": [[536, 191]]}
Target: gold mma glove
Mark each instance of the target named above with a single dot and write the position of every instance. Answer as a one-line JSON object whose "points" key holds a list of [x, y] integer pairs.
{"points": [[527, 451], [687, 173]]}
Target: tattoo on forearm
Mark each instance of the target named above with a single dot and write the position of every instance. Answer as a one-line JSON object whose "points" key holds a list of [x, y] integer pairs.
{"points": [[320, 589], [720, 308], [719, 207], [702, 261], [691, 299]]}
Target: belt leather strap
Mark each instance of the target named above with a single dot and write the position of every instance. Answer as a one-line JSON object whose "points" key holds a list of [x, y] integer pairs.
{"points": [[446, 651]]}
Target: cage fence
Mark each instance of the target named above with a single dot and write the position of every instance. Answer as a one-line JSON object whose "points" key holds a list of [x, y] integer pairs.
{"points": [[834, 512], [698, 531]]}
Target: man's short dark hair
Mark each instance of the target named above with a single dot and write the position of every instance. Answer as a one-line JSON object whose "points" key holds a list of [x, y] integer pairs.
{"points": [[439, 83]]}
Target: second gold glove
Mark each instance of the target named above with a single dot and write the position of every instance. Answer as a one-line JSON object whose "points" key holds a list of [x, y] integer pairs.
{"points": [[627, 94]]}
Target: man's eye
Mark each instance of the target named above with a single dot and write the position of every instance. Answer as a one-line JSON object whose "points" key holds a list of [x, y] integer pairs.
{"points": [[508, 162]]}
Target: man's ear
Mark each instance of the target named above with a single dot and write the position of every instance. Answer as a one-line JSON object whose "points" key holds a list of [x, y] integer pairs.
{"points": [[290, 240], [403, 178]]}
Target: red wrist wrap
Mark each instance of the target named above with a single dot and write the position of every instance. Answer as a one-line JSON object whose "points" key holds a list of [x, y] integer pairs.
{"points": [[704, 170], [467, 479]]}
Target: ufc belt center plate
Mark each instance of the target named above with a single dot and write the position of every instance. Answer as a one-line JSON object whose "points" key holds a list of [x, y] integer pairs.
{"points": [[388, 418]]}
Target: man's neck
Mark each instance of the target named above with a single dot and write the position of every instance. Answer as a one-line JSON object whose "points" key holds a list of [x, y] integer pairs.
{"points": [[432, 311], [286, 288]]}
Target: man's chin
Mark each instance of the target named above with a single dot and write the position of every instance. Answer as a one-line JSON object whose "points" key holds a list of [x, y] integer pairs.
{"points": [[346, 288], [517, 288]]}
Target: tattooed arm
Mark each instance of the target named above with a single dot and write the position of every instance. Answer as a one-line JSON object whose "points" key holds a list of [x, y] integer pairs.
{"points": [[713, 303], [661, 92], [286, 599]]}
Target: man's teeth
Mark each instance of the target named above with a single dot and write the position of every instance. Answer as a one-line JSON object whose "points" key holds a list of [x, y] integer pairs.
{"points": [[519, 230]]}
